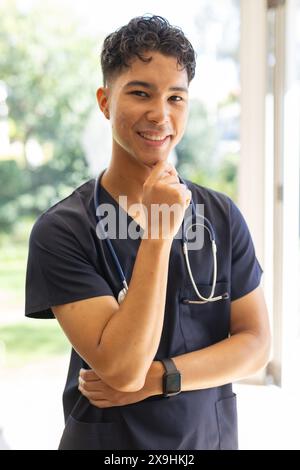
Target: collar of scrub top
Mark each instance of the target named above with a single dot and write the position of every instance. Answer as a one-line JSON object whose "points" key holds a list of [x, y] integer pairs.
{"points": [[205, 223]]}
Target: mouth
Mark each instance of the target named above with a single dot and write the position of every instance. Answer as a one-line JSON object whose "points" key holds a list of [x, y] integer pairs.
{"points": [[154, 140]]}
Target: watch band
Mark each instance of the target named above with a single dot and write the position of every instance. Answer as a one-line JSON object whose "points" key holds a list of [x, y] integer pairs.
{"points": [[169, 365]]}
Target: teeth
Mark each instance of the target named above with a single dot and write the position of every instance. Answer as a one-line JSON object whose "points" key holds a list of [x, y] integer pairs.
{"points": [[152, 137]]}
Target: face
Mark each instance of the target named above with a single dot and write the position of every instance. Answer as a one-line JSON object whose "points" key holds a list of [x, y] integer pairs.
{"points": [[147, 105]]}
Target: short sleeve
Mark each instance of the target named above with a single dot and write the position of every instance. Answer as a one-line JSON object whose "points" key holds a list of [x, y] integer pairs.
{"points": [[58, 271], [246, 271]]}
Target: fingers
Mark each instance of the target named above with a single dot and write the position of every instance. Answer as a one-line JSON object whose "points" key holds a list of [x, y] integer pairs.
{"points": [[90, 385], [189, 194], [171, 170], [186, 194], [188, 198], [92, 390], [88, 375], [182, 188], [170, 179], [159, 170], [91, 395]]}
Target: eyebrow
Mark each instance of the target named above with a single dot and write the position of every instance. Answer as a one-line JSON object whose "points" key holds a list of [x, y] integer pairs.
{"points": [[153, 87]]}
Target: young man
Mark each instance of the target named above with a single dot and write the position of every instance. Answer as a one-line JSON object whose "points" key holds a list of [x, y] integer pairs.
{"points": [[161, 361]]}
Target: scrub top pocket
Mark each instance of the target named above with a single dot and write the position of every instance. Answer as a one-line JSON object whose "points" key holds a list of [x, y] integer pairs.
{"points": [[204, 324], [226, 410], [79, 435]]}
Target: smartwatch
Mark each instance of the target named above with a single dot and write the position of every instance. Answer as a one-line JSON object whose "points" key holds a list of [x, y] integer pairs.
{"points": [[171, 378]]}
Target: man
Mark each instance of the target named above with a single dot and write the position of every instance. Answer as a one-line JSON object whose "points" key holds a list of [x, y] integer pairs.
{"points": [[156, 368]]}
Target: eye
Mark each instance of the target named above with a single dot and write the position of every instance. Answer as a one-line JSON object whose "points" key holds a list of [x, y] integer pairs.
{"points": [[176, 98], [140, 93]]}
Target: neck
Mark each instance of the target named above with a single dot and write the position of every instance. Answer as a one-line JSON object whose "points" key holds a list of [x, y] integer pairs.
{"points": [[125, 176]]}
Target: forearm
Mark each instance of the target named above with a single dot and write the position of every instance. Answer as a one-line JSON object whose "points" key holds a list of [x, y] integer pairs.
{"points": [[232, 359], [130, 339]]}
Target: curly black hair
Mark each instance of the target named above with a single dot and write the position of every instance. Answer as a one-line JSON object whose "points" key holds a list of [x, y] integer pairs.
{"points": [[142, 34]]}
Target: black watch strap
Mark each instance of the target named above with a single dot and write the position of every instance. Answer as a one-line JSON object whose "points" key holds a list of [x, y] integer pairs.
{"points": [[169, 365]]}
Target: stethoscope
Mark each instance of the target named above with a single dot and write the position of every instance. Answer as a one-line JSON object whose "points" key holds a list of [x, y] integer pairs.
{"points": [[206, 224]]}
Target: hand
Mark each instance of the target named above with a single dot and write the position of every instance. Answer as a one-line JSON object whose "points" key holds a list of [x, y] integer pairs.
{"points": [[162, 188], [103, 396]]}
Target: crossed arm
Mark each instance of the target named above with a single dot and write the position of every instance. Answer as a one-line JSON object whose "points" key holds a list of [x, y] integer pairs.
{"points": [[242, 354]]}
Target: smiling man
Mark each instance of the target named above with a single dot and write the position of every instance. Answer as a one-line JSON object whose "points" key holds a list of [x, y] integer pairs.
{"points": [[158, 334], [147, 133]]}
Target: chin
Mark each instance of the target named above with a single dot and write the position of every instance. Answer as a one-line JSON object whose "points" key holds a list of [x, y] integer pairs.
{"points": [[151, 162]]}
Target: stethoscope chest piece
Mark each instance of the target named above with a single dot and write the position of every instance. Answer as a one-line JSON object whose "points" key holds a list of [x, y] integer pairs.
{"points": [[121, 295]]}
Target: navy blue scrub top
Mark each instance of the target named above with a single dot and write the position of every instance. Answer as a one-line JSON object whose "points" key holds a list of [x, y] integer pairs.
{"points": [[65, 264]]}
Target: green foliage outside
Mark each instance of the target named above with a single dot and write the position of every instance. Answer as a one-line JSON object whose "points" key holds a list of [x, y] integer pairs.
{"points": [[196, 154], [13, 257], [23, 340], [31, 340], [50, 70]]}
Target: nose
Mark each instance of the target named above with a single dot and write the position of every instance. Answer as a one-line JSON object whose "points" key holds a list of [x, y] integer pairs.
{"points": [[159, 112]]}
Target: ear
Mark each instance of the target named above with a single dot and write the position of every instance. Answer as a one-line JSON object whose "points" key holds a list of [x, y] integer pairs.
{"points": [[102, 98]]}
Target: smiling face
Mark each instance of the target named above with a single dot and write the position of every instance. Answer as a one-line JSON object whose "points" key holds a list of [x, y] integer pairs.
{"points": [[147, 104]]}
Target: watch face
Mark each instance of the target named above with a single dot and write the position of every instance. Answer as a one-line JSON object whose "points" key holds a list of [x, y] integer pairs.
{"points": [[173, 383]]}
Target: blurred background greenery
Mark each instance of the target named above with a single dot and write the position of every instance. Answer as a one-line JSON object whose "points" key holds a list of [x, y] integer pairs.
{"points": [[27, 342], [49, 72]]}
